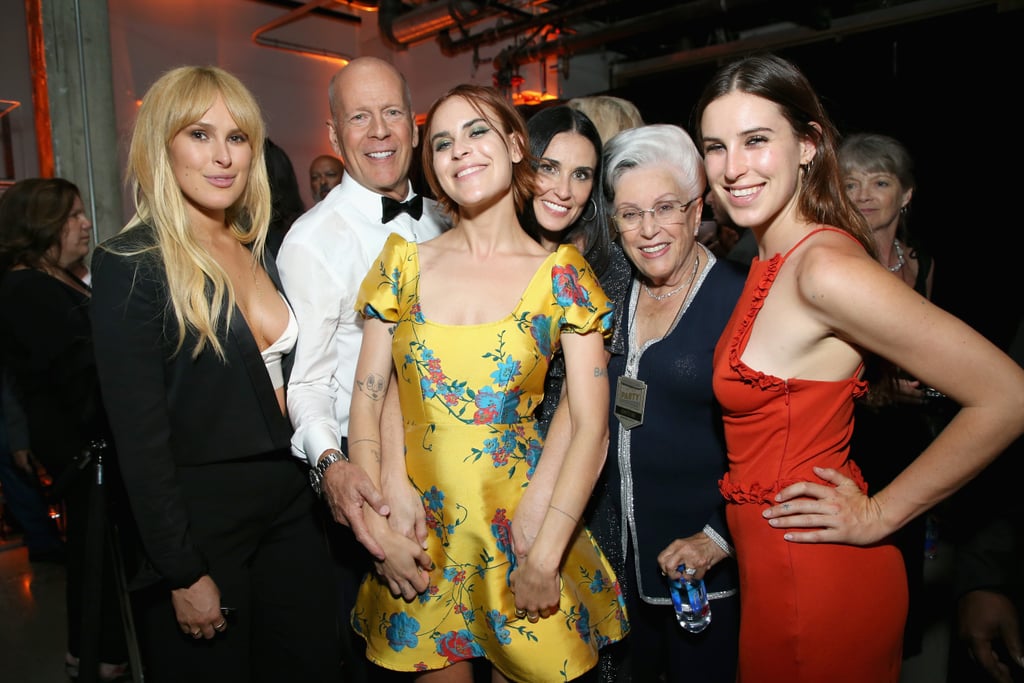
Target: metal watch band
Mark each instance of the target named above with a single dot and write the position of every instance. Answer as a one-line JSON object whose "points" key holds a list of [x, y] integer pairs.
{"points": [[316, 474]]}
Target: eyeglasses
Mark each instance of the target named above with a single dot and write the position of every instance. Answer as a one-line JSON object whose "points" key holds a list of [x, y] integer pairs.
{"points": [[664, 213]]}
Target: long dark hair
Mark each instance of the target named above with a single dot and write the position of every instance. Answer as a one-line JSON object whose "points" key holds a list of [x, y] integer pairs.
{"points": [[777, 80], [822, 198], [543, 127], [33, 213], [285, 201]]}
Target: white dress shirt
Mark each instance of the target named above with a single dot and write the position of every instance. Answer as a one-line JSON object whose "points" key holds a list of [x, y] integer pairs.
{"points": [[322, 261]]}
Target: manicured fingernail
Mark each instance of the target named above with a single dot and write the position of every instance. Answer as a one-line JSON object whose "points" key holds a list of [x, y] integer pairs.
{"points": [[788, 537], [773, 522], [766, 513]]}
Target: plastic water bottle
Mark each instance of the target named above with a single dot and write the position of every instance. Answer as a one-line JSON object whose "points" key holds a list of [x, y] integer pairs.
{"points": [[690, 600]]}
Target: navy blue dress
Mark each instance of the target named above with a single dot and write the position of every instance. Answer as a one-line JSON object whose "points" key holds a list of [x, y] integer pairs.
{"points": [[661, 483]]}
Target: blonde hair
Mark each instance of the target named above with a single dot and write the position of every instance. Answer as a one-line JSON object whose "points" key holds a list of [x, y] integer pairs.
{"points": [[198, 286], [610, 114]]}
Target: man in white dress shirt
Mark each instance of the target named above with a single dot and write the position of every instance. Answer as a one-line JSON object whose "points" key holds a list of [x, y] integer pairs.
{"points": [[324, 259]]}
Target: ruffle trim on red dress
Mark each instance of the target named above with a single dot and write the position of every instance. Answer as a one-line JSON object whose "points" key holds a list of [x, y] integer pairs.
{"points": [[756, 492], [760, 292]]}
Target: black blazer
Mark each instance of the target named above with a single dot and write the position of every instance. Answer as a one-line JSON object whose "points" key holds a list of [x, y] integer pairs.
{"points": [[168, 409], [47, 350]]}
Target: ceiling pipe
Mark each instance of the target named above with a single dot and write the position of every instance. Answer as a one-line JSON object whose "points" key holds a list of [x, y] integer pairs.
{"points": [[299, 12], [401, 29], [451, 47], [514, 56]]}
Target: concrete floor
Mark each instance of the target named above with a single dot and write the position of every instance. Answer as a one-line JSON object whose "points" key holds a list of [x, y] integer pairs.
{"points": [[33, 640]]}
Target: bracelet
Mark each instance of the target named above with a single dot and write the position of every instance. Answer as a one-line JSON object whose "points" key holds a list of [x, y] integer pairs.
{"points": [[719, 540], [558, 509]]}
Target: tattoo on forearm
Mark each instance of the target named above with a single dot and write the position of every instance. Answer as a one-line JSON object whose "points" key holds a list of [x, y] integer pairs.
{"points": [[372, 387], [600, 372]]}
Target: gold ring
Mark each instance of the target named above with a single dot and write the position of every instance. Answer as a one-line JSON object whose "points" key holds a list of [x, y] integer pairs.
{"points": [[520, 613]]}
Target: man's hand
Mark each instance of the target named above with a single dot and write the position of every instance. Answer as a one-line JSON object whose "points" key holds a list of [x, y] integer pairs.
{"points": [[197, 609], [984, 618], [347, 488]]}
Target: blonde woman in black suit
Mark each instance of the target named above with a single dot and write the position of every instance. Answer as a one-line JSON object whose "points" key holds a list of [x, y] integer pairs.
{"points": [[193, 338]]}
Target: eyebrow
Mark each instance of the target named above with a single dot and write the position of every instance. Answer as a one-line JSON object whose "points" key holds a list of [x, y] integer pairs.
{"points": [[467, 124]]}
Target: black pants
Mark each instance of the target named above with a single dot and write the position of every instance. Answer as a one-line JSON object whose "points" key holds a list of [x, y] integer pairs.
{"points": [[256, 524]]}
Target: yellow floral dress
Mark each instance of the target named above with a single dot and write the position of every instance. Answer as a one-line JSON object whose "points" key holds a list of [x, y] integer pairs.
{"points": [[468, 394]]}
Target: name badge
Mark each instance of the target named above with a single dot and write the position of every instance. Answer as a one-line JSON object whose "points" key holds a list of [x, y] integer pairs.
{"points": [[630, 395]]}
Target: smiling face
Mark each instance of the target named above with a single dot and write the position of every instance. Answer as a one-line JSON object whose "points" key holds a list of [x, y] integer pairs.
{"points": [[753, 158], [879, 196], [210, 159], [472, 158], [662, 251], [74, 238], [565, 179], [373, 130]]}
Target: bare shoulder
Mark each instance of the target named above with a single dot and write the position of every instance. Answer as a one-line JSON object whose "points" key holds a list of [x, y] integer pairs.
{"points": [[832, 268]]}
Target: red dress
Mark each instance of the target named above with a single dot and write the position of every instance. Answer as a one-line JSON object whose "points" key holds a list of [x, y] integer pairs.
{"points": [[809, 612]]}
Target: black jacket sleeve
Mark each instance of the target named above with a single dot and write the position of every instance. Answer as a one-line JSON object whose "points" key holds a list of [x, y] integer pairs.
{"points": [[130, 301]]}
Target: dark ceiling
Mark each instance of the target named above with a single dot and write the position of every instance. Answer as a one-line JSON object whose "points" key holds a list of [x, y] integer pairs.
{"points": [[637, 37]]}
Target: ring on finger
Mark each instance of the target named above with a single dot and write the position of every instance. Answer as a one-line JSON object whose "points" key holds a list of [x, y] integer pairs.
{"points": [[533, 618], [690, 571], [220, 626]]}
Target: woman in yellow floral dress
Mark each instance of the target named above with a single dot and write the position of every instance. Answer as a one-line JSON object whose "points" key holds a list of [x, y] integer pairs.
{"points": [[468, 323]]}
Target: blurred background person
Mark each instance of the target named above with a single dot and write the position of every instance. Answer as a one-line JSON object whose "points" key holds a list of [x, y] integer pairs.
{"points": [[48, 352], [610, 114], [324, 174], [285, 201], [665, 460], [878, 177], [23, 494], [986, 532], [193, 342]]}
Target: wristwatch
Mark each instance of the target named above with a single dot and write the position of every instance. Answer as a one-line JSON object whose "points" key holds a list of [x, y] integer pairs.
{"points": [[316, 474]]}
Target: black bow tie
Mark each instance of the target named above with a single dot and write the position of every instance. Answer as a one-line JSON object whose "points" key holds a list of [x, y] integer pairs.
{"points": [[392, 207]]}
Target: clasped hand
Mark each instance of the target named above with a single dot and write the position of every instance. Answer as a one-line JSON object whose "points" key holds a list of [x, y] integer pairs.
{"points": [[537, 589], [406, 565], [837, 511]]}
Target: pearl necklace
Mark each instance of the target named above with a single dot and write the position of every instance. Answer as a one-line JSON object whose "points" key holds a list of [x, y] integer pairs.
{"points": [[900, 261], [693, 276]]}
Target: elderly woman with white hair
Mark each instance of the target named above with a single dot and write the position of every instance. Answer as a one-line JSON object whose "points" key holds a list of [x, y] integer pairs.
{"points": [[667, 452]]}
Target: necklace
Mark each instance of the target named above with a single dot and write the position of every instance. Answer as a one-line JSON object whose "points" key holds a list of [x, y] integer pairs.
{"points": [[900, 261], [666, 295]]}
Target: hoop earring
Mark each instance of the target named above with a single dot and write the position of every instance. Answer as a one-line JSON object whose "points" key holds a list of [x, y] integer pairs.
{"points": [[593, 204]]}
